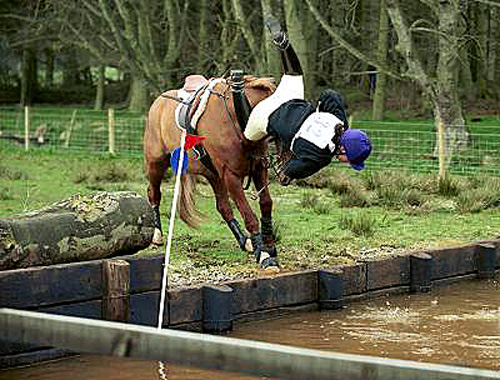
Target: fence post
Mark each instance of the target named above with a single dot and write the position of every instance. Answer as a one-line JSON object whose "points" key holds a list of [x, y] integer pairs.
{"points": [[70, 128], [26, 128], [111, 130], [442, 151], [115, 304]]}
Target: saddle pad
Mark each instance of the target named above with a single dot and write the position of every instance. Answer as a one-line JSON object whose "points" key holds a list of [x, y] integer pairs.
{"points": [[183, 110], [204, 100]]}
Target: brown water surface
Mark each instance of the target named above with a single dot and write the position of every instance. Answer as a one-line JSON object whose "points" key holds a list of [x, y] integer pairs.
{"points": [[457, 324]]}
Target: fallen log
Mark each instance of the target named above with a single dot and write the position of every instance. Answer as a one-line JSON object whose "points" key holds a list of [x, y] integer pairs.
{"points": [[77, 229]]}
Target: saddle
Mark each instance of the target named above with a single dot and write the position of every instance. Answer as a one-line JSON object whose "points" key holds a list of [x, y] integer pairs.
{"points": [[189, 111], [194, 82]]}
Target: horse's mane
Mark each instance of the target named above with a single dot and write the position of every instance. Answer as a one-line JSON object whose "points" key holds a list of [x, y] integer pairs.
{"points": [[265, 83]]}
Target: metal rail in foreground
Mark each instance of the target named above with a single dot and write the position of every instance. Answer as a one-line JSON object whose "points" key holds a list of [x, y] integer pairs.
{"points": [[215, 352]]}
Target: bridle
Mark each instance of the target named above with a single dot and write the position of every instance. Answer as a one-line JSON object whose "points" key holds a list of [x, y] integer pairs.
{"points": [[278, 164]]}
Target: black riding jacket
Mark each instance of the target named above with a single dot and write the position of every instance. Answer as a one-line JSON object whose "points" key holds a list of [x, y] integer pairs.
{"points": [[284, 123]]}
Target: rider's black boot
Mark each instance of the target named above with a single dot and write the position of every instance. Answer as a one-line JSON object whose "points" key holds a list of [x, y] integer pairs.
{"points": [[289, 58], [290, 61], [241, 103]]}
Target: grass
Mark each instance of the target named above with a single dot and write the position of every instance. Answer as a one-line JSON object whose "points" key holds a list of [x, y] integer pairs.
{"points": [[338, 216]]}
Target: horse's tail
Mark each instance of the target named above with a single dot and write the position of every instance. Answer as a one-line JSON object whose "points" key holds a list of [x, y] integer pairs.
{"points": [[188, 211]]}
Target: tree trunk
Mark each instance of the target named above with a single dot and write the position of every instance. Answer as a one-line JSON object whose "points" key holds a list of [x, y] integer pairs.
{"points": [[369, 26], [381, 77], [271, 53], [174, 48], [253, 44], [138, 95], [494, 36], [481, 18], [203, 36], [29, 77], [448, 103], [340, 58], [296, 34], [465, 76], [77, 229], [226, 36], [311, 35], [71, 74], [49, 68], [99, 96], [442, 92]]}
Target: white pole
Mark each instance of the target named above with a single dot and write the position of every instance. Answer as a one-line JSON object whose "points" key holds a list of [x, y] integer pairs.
{"points": [[171, 230], [216, 352]]}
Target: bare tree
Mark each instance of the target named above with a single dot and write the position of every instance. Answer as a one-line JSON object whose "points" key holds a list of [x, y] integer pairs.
{"points": [[439, 83], [441, 89], [381, 78], [21, 25], [272, 57], [143, 38]]}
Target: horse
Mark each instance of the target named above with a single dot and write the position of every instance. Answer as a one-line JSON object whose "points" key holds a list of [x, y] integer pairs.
{"points": [[232, 158]]}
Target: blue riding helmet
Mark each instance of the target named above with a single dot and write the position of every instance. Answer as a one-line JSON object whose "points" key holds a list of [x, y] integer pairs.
{"points": [[357, 147]]}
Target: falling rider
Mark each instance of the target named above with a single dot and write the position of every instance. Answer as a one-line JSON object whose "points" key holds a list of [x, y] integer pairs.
{"points": [[313, 135]]}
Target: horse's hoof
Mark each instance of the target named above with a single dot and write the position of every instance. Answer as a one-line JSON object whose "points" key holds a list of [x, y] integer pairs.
{"points": [[269, 265], [157, 237], [248, 245]]}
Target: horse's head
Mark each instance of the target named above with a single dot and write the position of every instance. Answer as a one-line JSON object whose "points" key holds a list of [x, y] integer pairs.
{"points": [[264, 87], [278, 163]]}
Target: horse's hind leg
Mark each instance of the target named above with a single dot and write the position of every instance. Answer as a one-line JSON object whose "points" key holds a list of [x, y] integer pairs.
{"points": [[156, 171], [225, 210]]}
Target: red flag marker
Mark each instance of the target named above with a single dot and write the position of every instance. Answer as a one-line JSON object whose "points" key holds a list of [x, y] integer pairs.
{"points": [[192, 140]]}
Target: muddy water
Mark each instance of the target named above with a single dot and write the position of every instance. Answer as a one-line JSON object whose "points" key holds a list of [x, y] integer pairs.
{"points": [[457, 324]]}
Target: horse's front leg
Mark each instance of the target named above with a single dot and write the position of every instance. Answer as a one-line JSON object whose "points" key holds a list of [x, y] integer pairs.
{"points": [[225, 210], [235, 187], [260, 178]]}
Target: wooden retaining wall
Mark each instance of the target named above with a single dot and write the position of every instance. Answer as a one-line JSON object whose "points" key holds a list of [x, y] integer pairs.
{"points": [[78, 289]]}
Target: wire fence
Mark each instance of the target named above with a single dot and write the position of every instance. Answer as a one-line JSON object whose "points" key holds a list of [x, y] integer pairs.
{"points": [[74, 129], [415, 147], [412, 146]]}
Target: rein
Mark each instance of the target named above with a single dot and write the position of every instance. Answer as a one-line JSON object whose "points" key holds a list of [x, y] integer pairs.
{"points": [[278, 166], [223, 96]]}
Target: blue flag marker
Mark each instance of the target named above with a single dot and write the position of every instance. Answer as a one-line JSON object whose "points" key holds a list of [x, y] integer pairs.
{"points": [[174, 160]]}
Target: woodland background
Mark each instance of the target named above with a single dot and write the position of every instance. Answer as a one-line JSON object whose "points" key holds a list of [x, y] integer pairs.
{"points": [[441, 58]]}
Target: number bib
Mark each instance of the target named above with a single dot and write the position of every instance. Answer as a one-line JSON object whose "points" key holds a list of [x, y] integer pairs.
{"points": [[319, 129]]}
